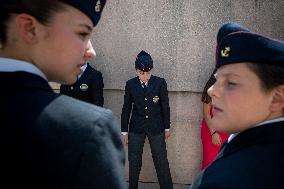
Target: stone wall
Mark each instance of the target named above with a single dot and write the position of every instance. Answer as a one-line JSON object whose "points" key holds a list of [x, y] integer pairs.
{"points": [[180, 36]]}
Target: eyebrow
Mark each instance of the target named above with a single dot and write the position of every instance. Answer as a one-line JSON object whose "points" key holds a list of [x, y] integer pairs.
{"points": [[90, 28], [226, 75]]}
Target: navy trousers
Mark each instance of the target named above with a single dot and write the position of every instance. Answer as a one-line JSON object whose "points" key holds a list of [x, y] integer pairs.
{"points": [[159, 155]]}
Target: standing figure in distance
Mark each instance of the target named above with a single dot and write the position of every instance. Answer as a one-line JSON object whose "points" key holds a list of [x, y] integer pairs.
{"points": [[248, 103], [146, 100], [211, 139], [52, 141], [89, 85]]}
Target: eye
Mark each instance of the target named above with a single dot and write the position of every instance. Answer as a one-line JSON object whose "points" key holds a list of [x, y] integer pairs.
{"points": [[83, 35], [231, 84]]}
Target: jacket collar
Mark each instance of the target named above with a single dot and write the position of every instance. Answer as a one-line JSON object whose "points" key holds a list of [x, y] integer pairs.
{"points": [[268, 132], [149, 86], [23, 80]]}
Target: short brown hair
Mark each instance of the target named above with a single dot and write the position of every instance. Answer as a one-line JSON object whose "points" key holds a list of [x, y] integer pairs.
{"points": [[270, 75], [42, 10]]}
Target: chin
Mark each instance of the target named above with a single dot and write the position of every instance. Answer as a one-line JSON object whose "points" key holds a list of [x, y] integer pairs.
{"points": [[68, 81], [220, 126], [71, 81]]}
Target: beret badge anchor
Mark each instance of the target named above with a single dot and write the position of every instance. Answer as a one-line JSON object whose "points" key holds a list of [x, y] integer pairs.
{"points": [[98, 6], [225, 52]]}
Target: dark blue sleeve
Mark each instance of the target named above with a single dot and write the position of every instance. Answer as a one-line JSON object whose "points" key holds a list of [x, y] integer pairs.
{"points": [[165, 104], [126, 109]]}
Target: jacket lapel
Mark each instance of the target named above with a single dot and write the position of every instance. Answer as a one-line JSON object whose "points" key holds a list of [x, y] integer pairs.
{"points": [[150, 85], [221, 152], [85, 74], [139, 85]]}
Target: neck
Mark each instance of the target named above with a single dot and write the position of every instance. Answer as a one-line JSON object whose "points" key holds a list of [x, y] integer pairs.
{"points": [[14, 53]]}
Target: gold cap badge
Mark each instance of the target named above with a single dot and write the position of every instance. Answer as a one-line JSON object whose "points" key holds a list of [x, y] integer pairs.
{"points": [[225, 52], [98, 6]]}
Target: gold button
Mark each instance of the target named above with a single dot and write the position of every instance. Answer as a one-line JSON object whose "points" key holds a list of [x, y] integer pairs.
{"points": [[146, 108], [147, 117], [146, 99]]}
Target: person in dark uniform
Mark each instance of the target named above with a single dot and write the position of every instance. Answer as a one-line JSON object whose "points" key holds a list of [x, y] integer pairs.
{"points": [[248, 103], [50, 140], [89, 85], [146, 99]]}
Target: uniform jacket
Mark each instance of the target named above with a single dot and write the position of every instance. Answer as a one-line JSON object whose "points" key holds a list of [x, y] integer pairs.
{"points": [[88, 88], [149, 107], [252, 160], [54, 141]]}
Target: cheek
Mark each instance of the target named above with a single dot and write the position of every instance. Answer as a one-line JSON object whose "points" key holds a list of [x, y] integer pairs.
{"points": [[76, 48], [249, 111], [70, 45], [228, 119], [239, 107]]}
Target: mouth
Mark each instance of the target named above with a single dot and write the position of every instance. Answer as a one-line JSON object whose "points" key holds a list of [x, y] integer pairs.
{"points": [[216, 109]]}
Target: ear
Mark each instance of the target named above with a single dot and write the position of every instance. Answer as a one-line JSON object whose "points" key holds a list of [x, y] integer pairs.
{"points": [[27, 28], [277, 103]]}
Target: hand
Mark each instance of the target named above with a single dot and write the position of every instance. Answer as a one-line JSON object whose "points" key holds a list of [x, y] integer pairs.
{"points": [[167, 134], [125, 139], [216, 139]]}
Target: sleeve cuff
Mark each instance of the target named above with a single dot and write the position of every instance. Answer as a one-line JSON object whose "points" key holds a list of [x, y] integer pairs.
{"points": [[124, 133], [167, 129]]}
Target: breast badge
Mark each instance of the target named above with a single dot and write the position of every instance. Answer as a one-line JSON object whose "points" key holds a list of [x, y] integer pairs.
{"points": [[155, 99], [84, 87]]}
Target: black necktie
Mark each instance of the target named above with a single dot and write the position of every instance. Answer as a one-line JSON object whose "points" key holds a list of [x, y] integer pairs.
{"points": [[144, 85]]}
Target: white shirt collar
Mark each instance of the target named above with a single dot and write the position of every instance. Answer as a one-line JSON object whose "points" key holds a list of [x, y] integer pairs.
{"points": [[271, 121], [146, 83], [13, 65], [83, 68]]}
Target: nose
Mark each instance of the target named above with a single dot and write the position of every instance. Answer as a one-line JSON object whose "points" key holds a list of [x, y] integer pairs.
{"points": [[90, 52], [211, 91]]}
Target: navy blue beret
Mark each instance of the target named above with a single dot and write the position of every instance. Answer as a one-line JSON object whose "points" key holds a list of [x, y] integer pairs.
{"points": [[144, 61], [236, 43], [92, 8]]}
